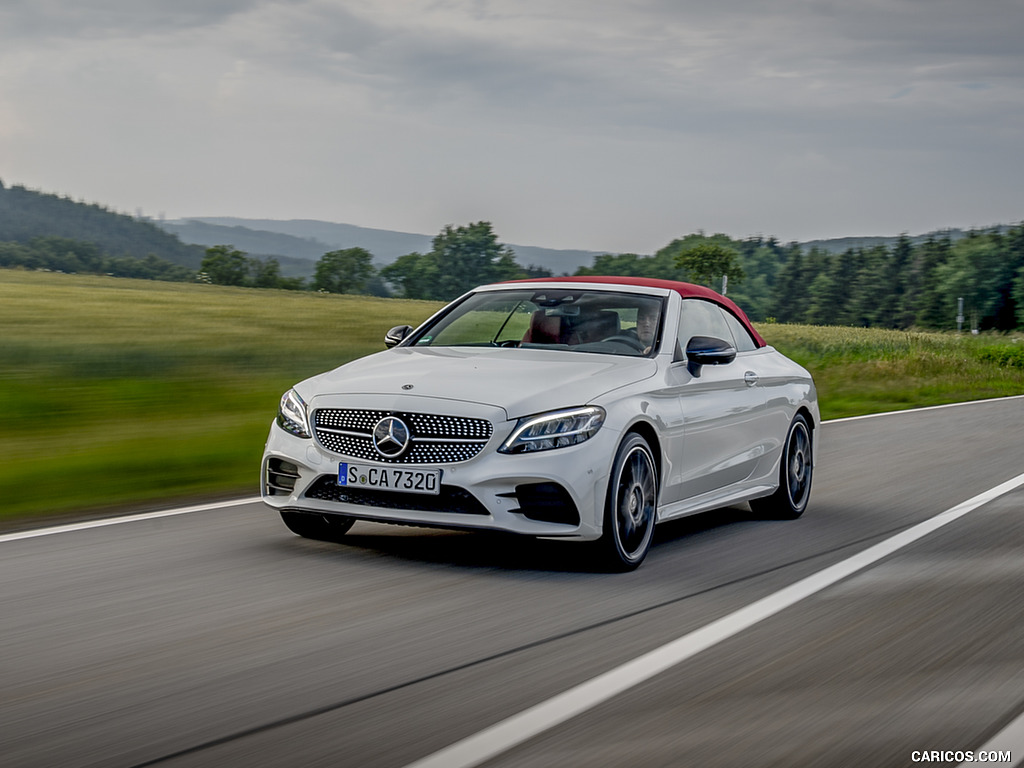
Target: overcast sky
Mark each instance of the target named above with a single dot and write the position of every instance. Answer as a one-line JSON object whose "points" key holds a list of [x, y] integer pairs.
{"points": [[598, 124]]}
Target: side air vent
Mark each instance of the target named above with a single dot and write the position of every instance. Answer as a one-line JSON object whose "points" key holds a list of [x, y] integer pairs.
{"points": [[281, 477], [547, 503]]}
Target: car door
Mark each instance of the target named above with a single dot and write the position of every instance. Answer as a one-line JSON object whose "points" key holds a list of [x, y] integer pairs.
{"points": [[723, 410]]}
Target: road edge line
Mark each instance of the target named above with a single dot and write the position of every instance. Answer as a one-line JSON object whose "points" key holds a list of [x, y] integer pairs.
{"points": [[108, 521], [922, 410]]}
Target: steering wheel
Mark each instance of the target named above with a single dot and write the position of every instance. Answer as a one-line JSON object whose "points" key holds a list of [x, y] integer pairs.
{"points": [[629, 341]]}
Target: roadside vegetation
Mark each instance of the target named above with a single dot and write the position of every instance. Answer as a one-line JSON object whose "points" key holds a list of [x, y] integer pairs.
{"points": [[871, 370], [122, 391]]}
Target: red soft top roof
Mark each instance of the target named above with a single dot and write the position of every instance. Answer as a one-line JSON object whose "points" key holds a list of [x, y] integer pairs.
{"points": [[686, 290]]}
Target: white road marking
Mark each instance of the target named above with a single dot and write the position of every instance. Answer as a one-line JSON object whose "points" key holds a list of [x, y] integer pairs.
{"points": [[519, 728], [922, 410], [1010, 739], [71, 527]]}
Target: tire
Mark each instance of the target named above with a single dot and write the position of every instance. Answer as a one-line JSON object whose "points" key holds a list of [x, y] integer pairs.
{"points": [[795, 472], [630, 506], [311, 525]]}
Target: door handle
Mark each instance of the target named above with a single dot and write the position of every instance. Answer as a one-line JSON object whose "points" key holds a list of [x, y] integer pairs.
{"points": [[750, 378]]}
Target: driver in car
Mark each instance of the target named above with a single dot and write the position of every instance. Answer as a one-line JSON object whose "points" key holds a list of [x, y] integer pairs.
{"points": [[647, 325]]}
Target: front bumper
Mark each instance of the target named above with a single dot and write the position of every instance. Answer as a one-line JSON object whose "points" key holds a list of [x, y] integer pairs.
{"points": [[556, 493]]}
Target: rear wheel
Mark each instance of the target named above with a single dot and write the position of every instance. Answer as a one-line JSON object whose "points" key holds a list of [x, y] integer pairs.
{"points": [[630, 506], [311, 525], [795, 470]]}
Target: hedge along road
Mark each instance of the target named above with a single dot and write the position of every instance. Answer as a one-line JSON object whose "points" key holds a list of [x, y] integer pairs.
{"points": [[219, 638]]}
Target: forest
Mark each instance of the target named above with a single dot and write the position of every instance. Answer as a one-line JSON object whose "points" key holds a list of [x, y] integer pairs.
{"points": [[910, 283]]}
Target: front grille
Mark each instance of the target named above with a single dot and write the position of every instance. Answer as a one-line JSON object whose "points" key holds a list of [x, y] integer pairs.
{"points": [[451, 499], [435, 439]]}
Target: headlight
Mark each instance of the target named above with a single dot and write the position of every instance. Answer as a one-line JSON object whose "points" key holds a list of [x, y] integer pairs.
{"points": [[291, 415], [557, 429]]}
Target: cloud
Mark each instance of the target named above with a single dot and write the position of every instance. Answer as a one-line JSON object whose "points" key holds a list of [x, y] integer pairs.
{"points": [[404, 114], [32, 21]]}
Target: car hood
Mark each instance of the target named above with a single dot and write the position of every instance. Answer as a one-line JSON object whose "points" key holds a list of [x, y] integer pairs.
{"points": [[520, 381]]}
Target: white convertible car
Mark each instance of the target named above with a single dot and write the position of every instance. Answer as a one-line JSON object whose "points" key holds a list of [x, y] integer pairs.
{"points": [[584, 408]]}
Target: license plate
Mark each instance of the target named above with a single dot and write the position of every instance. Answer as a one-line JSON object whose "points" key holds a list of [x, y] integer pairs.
{"points": [[427, 481]]}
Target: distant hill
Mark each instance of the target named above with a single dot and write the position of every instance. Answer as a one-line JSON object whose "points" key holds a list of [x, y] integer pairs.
{"points": [[26, 214], [311, 239], [297, 243]]}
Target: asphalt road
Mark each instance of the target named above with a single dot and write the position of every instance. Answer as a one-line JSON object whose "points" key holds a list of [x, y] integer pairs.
{"points": [[217, 638]]}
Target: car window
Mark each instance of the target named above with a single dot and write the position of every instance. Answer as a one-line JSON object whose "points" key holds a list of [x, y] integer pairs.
{"points": [[744, 341], [702, 318]]}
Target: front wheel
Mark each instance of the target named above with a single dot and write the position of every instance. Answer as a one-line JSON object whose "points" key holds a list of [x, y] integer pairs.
{"points": [[630, 506], [311, 525], [795, 470]]}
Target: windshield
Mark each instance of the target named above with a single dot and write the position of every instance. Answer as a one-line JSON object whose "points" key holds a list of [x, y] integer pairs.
{"points": [[575, 319]]}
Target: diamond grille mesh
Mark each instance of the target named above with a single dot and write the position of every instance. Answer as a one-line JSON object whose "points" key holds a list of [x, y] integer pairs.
{"points": [[436, 439]]}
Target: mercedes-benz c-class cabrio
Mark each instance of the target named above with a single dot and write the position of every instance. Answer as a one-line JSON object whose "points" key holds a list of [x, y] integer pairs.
{"points": [[586, 408]]}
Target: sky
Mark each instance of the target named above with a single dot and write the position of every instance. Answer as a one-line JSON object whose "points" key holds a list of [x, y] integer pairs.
{"points": [[593, 124]]}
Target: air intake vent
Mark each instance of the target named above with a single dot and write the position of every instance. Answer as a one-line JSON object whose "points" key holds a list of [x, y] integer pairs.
{"points": [[547, 503], [281, 477]]}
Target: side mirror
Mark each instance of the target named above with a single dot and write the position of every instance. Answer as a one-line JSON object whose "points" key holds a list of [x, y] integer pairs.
{"points": [[396, 335], [707, 350]]}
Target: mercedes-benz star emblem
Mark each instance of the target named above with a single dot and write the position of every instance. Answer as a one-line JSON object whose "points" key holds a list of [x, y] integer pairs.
{"points": [[391, 437]]}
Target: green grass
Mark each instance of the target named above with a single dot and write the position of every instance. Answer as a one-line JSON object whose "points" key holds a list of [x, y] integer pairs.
{"points": [[868, 370], [121, 392]]}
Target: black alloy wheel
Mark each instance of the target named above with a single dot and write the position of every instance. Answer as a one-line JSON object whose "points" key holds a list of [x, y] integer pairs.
{"points": [[795, 472], [631, 506]]}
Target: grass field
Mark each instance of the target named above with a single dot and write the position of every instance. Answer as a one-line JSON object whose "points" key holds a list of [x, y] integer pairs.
{"points": [[122, 391]]}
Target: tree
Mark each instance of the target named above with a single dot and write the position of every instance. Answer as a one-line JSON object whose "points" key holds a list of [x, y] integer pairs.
{"points": [[224, 265], [470, 256], [344, 271], [868, 291], [893, 305], [933, 308], [265, 274], [707, 262], [413, 275], [660, 265], [461, 258], [975, 271], [822, 297], [788, 291], [1018, 295], [760, 260]]}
